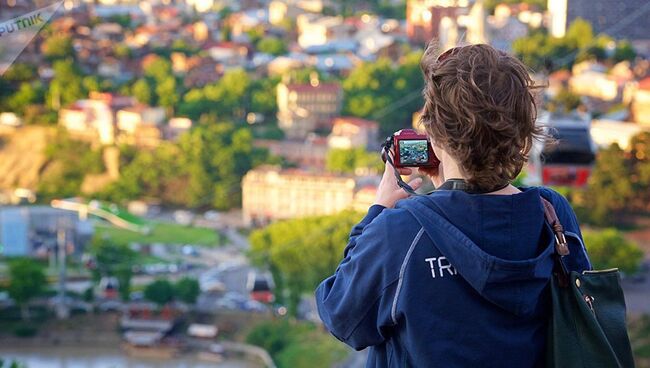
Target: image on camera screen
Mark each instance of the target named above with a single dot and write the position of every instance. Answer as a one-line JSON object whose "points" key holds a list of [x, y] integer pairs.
{"points": [[413, 152]]}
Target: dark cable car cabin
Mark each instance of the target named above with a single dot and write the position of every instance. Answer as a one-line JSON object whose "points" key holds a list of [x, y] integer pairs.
{"points": [[569, 161], [260, 286]]}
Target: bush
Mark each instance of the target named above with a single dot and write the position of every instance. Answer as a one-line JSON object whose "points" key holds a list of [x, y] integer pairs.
{"points": [[297, 344], [25, 330], [609, 249]]}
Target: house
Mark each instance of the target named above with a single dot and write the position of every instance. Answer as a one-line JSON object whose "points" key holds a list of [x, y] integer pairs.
{"points": [[352, 132], [303, 108], [606, 132], [640, 102], [176, 127], [425, 18], [306, 153], [597, 85], [140, 125], [314, 29]]}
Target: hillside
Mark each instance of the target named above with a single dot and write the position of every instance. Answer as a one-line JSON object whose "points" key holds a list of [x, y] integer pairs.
{"points": [[22, 155]]}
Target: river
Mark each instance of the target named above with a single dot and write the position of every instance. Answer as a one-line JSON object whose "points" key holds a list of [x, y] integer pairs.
{"points": [[100, 357]]}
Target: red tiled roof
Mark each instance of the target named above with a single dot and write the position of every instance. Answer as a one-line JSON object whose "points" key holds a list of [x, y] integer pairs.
{"points": [[560, 75]]}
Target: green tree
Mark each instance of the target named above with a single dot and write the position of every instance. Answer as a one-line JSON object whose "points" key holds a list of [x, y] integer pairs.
{"points": [[142, 91], [380, 91], [624, 51], [272, 45], [27, 94], [302, 252], [187, 290], [67, 85], [113, 260], [160, 292], [216, 156], [26, 280], [348, 160], [609, 249], [565, 101], [640, 167], [609, 187], [58, 46], [229, 98]]}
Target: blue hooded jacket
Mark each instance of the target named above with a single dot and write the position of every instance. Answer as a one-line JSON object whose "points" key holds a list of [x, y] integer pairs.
{"points": [[450, 279]]}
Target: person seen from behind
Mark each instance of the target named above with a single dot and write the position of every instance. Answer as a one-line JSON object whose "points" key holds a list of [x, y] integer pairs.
{"points": [[458, 277]]}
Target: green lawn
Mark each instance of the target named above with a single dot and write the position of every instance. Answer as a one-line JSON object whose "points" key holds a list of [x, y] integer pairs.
{"points": [[161, 233]]}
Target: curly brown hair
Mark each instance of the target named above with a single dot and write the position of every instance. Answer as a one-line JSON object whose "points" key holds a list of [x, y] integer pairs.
{"points": [[480, 106]]}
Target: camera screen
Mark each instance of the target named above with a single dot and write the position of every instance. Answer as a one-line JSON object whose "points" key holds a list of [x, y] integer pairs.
{"points": [[413, 152]]}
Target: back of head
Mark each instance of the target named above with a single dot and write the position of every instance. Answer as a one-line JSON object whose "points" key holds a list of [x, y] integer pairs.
{"points": [[481, 109]]}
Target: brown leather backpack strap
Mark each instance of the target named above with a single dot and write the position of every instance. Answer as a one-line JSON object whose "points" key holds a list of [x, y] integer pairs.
{"points": [[561, 246]]}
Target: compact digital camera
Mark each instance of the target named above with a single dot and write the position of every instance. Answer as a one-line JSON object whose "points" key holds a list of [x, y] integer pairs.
{"points": [[410, 149]]}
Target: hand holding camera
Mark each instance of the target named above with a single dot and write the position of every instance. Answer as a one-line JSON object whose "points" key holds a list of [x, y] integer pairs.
{"points": [[402, 151]]}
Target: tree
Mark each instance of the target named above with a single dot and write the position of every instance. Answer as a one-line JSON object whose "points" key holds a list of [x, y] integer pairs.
{"points": [[67, 85], [624, 51], [380, 91], [187, 290], [348, 160], [640, 168], [300, 253], [26, 280], [609, 249], [272, 45], [565, 101], [142, 91], [58, 46], [27, 94], [609, 186], [228, 98], [160, 292], [113, 260]]}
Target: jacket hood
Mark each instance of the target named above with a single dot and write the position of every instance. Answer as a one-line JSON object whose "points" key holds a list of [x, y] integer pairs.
{"points": [[505, 256]]}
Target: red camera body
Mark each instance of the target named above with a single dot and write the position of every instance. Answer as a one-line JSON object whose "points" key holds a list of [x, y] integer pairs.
{"points": [[411, 149]]}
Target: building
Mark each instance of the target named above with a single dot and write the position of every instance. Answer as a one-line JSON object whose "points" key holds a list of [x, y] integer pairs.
{"points": [[606, 132], [307, 153], [351, 132], [621, 19], [269, 193], [315, 30], [303, 108], [31, 231], [93, 119], [424, 18], [596, 85], [640, 102]]}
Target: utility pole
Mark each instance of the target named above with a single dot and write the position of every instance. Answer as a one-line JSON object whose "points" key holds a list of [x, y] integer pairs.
{"points": [[61, 246]]}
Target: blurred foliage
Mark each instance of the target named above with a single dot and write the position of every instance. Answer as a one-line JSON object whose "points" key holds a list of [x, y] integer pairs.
{"points": [[160, 292], [272, 45], [385, 92], [297, 344], [609, 249], [639, 331], [187, 290], [204, 169], [57, 46], [67, 85], [300, 253], [539, 50], [348, 160], [68, 161], [26, 280], [490, 5], [113, 260], [564, 102]]}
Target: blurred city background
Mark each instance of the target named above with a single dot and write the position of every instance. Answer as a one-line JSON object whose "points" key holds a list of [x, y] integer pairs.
{"points": [[177, 176]]}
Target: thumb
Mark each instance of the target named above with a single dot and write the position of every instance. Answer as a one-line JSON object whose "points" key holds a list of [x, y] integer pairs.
{"points": [[415, 183]]}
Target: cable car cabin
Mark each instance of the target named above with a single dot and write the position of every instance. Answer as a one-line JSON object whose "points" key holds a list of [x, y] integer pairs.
{"points": [[569, 161], [260, 286]]}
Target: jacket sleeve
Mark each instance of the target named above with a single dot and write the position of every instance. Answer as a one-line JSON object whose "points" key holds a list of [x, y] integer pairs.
{"points": [[354, 303]]}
